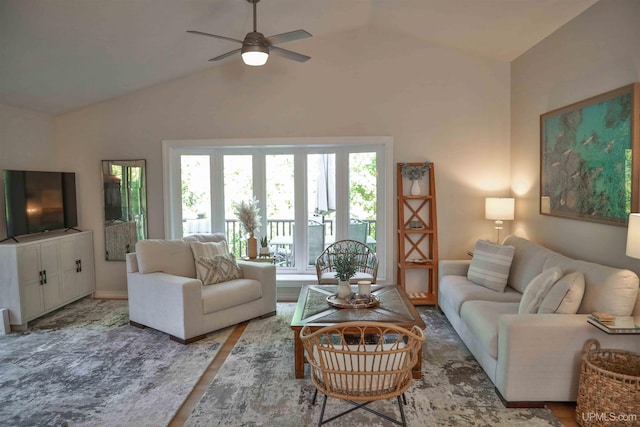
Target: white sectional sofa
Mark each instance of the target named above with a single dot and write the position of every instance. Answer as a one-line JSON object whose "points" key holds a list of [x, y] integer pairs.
{"points": [[165, 293], [533, 358]]}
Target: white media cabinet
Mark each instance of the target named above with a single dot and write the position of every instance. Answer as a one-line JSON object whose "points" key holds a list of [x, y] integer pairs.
{"points": [[44, 272]]}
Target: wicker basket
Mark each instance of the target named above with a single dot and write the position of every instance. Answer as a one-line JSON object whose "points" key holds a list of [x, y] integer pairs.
{"points": [[609, 388]]}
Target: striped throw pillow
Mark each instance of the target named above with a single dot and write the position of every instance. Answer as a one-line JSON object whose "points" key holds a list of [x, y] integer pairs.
{"points": [[490, 265]]}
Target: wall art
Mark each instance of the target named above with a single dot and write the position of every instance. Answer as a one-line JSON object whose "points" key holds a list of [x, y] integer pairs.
{"points": [[589, 158]]}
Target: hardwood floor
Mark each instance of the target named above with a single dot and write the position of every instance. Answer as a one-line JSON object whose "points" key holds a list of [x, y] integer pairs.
{"points": [[565, 412], [201, 387]]}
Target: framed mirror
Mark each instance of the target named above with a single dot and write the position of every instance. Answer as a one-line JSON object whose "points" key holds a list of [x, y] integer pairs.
{"points": [[125, 206]]}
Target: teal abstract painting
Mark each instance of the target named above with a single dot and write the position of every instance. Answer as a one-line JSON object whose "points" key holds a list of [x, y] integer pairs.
{"points": [[588, 152]]}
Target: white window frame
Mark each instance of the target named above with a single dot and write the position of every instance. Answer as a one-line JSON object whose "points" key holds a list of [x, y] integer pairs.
{"points": [[172, 150]]}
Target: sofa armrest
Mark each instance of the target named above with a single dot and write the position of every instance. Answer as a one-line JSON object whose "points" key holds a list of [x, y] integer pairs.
{"points": [[455, 267], [539, 355], [169, 303], [132, 262], [264, 273], [260, 271]]}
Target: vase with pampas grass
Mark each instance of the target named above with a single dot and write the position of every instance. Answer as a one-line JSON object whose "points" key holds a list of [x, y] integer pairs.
{"points": [[248, 214]]}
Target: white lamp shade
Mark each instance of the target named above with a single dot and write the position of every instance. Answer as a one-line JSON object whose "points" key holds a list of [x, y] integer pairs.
{"points": [[633, 236], [499, 208], [255, 58]]}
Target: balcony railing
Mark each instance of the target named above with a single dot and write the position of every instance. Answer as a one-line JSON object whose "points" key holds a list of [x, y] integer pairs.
{"points": [[275, 227]]}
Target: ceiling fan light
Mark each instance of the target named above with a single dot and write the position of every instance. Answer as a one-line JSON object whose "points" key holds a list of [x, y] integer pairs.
{"points": [[255, 58], [255, 50]]}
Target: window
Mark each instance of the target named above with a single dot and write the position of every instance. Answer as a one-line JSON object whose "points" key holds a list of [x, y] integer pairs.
{"points": [[237, 176], [311, 192], [196, 194], [280, 210]]}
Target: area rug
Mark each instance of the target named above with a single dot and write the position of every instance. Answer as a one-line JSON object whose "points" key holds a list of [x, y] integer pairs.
{"points": [[84, 365], [256, 385]]}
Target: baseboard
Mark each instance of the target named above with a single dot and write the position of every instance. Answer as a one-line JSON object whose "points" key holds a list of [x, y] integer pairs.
{"points": [[111, 295], [285, 294]]}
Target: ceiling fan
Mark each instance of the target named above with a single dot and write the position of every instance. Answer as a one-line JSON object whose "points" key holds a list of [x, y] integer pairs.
{"points": [[256, 47]]}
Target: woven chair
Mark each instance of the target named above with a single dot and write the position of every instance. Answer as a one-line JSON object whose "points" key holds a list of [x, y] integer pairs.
{"points": [[366, 267], [361, 362]]}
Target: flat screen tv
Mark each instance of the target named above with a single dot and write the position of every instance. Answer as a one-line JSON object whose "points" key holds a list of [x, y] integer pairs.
{"points": [[39, 201]]}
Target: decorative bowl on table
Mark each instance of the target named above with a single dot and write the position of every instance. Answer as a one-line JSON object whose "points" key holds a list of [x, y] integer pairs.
{"points": [[353, 301]]}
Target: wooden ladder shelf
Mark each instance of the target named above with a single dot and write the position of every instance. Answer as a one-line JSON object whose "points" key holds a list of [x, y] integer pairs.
{"points": [[418, 235]]}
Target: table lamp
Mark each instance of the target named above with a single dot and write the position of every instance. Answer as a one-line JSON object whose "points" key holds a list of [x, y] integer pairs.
{"points": [[499, 209], [633, 236]]}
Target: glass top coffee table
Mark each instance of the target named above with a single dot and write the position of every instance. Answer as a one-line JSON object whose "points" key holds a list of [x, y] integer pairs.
{"points": [[621, 325], [314, 311]]}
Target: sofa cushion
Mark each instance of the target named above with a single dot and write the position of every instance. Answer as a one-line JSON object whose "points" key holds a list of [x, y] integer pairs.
{"points": [[607, 289], [482, 319], [218, 268], [537, 289], [230, 294], [528, 261], [490, 265], [456, 290], [169, 256], [208, 249], [565, 295]]}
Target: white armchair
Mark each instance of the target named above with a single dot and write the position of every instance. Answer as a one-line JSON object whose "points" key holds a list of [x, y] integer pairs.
{"points": [[164, 293]]}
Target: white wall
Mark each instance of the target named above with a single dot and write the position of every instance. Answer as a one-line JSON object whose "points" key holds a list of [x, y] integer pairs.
{"points": [[595, 52], [25, 144], [439, 105]]}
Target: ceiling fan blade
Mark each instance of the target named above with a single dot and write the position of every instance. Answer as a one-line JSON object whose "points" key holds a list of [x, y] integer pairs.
{"points": [[224, 55], [288, 54], [214, 36], [288, 37]]}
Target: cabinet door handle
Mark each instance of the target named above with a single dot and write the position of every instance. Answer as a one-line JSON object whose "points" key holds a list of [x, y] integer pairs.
{"points": [[44, 272], [79, 265], [41, 280]]}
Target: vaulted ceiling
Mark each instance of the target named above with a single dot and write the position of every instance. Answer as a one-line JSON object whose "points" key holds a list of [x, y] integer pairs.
{"points": [[60, 55]]}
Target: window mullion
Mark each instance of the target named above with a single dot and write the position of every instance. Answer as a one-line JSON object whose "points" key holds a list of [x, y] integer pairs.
{"points": [[300, 231], [172, 184], [260, 188], [216, 176], [342, 194]]}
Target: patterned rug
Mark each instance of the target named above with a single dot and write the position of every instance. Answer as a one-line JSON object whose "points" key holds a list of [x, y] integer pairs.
{"points": [[84, 365], [256, 385]]}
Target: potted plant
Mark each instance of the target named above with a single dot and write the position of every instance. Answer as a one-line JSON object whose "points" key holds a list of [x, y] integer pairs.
{"points": [[264, 246], [248, 214], [344, 263], [414, 173]]}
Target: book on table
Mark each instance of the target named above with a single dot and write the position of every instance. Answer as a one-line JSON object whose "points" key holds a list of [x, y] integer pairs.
{"points": [[618, 324]]}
